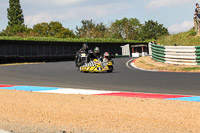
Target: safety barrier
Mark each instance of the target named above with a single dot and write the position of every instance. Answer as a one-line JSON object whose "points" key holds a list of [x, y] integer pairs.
{"points": [[15, 51], [187, 55]]}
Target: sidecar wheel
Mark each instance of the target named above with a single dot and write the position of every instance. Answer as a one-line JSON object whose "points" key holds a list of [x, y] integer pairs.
{"points": [[110, 69]]}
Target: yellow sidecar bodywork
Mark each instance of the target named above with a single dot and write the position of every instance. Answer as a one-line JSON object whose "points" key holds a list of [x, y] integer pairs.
{"points": [[95, 66]]}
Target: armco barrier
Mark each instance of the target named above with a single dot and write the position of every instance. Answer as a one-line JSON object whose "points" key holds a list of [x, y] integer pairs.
{"points": [[187, 55]]}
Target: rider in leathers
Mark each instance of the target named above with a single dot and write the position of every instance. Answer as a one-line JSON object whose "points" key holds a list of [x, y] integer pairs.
{"points": [[94, 55], [83, 49]]}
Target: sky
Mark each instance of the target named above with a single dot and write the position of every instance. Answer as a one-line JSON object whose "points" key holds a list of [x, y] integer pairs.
{"points": [[176, 15]]}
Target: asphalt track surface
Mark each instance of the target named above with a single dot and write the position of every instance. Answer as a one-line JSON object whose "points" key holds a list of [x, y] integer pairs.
{"points": [[66, 75]]}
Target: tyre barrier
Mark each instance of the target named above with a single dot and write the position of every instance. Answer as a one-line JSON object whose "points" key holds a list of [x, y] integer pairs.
{"points": [[184, 55]]}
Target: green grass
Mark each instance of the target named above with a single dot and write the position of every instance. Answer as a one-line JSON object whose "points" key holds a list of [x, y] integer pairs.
{"points": [[191, 68], [142, 62], [69, 39], [188, 38]]}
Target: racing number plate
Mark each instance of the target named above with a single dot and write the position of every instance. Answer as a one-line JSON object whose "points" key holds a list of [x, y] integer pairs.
{"points": [[83, 55]]}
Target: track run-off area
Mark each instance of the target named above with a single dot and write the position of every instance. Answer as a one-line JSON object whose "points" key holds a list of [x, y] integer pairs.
{"points": [[64, 77]]}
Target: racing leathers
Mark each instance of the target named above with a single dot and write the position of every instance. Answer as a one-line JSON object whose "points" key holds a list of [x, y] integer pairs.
{"points": [[78, 56]]}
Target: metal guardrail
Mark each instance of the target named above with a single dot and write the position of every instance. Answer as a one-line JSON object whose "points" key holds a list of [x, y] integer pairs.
{"points": [[187, 55]]}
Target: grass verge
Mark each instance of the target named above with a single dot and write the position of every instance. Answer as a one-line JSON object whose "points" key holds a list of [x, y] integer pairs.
{"points": [[188, 38], [149, 64], [52, 39]]}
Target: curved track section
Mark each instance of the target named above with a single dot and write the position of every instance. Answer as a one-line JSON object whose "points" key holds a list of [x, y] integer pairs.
{"points": [[66, 75]]}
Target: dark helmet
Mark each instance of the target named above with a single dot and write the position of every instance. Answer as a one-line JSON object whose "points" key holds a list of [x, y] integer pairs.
{"points": [[85, 46], [96, 50], [90, 52]]}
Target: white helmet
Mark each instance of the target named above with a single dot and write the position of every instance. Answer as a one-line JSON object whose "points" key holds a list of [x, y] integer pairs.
{"points": [[106, 55]]}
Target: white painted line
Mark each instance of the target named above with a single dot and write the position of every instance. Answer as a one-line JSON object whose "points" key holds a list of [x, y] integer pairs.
{"points": [[77, 91], [96, 92], [134, 66], [93, 92], [128, 63]]}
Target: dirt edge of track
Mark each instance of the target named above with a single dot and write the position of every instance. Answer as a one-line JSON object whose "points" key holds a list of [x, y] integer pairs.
{"points": [[23, 112]]}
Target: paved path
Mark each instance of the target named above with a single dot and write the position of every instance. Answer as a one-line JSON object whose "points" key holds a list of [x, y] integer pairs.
{"points": [[65, 75]]}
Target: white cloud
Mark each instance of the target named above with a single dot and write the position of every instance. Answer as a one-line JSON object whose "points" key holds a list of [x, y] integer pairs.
{"points": [[64, 2], [38, 18], [153, 4], [76, 13], [185, 26], [91, 12], [3, 15]]}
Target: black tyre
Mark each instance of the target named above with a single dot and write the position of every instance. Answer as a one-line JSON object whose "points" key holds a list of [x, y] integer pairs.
{"points": [[76, 63], [110, 69], [79, 62]]}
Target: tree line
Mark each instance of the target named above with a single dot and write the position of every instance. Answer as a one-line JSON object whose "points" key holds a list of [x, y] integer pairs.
{"points": [[126, 28]]}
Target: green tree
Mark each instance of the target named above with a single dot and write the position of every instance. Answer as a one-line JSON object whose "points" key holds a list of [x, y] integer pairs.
{"points": [[41, 29], [53, 29], [153, 30], [15, 17], [91, 30], [86, 30], [125, 28], [100, 31], [66, 33]]}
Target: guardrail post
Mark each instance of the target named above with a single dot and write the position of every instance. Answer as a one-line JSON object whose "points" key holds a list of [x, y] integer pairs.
{"points": [[150, 51]]}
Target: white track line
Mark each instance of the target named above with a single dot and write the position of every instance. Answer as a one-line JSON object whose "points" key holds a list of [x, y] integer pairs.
{"points": [[134, 66], [128, 63], [93, 92], [96, 92], [78, 91]]}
